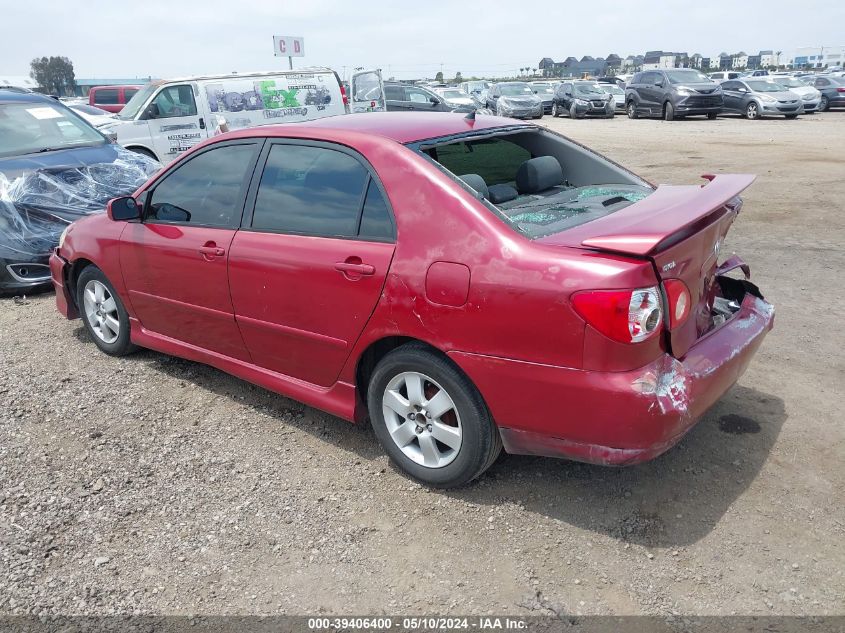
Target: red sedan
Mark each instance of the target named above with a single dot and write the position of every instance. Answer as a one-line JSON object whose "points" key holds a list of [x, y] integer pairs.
{"points": [[466, 284]]}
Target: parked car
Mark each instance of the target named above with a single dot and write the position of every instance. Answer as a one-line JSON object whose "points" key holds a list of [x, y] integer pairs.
{"points": [[723, 75], [473, 87], [407, 98], [165, 118], [756, 98], [617, 93], [810, 97], [453, 96], [54, 168], [94, 116], [112, 98], [757, 73], [579, 99], [672, 93], [544, 90], [514, 99], [613, 81], [832, 91], [453, 283]]}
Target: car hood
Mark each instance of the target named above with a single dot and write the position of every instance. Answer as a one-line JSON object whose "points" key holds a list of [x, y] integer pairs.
{"points": [[522, 100], [14, 166], [781, 95], [703, 88], [41, 194], [804, 90]]}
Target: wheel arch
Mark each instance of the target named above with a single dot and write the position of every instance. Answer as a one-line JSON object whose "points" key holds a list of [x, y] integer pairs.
{"points": [[142, 149], [76, 268]]}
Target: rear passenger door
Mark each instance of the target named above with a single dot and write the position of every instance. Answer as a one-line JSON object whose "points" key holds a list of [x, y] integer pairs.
{"points": [[308, 266]]}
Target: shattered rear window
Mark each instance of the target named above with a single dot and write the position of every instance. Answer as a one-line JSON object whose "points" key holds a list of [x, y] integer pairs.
{"points": [[537, 216]]}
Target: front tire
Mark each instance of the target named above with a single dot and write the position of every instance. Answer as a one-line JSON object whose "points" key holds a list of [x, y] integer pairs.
{"points": [[632, 110], [824, 104], [668, 111], [712, 115], [752, 111], [430, 419], [103, 313], [555, 113]]}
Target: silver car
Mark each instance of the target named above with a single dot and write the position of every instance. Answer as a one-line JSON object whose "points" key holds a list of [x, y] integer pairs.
{"points": [[755, 98], [617, 93], [810, 97]]}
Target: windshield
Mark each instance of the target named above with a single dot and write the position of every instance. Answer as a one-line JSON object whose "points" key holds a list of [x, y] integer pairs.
{"points": [[133, 107], [543, 89], [688, 76], [30, 128], [516, 90], [614, 90], [789, 82], [764, 86], [452, 94], [589, 90]]}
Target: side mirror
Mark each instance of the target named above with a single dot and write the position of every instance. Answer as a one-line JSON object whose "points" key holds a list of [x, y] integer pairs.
{"points": [[123, 209], [434, 100], [151, 112]]}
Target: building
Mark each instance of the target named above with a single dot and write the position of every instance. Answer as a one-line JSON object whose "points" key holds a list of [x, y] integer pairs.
{"points": [[769, 59], [739, 61], [753, 62], [818, 56]]}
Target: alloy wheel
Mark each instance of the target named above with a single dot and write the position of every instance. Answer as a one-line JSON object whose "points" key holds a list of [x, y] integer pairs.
{"points": [[422, 419], [101, 311], [823, 103], [751, 111], [554, 108]]}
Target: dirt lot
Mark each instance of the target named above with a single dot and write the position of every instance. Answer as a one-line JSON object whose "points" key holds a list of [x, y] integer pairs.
{"points": [[150, 484]]}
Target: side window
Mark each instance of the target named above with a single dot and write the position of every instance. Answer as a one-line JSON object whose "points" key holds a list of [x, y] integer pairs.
{"points": [[375, 218], [128, 93], [175, 101], [106, 96], [394, 93], [205, 190], [310, 190], [417, 96]]}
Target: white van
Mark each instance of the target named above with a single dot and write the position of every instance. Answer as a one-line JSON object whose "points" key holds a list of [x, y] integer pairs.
{"points": [[165, 118]]}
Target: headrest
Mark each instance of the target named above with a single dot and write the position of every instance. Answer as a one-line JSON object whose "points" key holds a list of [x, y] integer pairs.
{"points": [[476, 182], [539, 174], [502, 193]]}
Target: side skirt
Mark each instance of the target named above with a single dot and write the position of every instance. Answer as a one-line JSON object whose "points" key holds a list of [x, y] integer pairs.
{"points": [[340, 399]]}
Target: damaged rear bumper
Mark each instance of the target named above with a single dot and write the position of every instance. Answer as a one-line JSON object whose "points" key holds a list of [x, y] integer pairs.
{"points": [[617, 418], [58, 274]]}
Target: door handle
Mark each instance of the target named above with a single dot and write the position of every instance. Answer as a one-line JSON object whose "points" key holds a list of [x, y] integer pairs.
{"points": [[211, 250], [202, 123], [355, 269]]}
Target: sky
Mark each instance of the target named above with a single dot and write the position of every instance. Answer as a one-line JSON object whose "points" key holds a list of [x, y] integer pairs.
{"points": [[406, 39]]}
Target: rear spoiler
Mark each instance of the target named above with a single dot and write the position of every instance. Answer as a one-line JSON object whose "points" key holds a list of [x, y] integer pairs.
{"points": [[669, 211]]}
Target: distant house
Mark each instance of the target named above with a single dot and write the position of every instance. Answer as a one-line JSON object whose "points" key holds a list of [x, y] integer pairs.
{"points": [[768, 58], [546, 67], [753, 62], [695, 60], [651, 60], [614, 61], [725, 61], [740, 60]]}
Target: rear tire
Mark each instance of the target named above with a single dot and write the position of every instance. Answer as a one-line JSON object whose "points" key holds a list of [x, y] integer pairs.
{"points": [[824, 104], [712, 115], [555, 113], [790, 116], [632, 110], [668, 111], [103, 313], [414, 381]]}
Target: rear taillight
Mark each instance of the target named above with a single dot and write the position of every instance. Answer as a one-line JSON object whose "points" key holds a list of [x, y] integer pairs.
{"points": [[627, 316], [678, 300], [840, 90], [343, 95]]}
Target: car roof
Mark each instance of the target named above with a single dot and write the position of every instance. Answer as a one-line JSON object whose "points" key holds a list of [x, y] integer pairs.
{"points": [[402, 127], [11, 96]]}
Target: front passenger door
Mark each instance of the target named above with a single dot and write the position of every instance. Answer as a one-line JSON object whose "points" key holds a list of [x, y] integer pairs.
{"points": [[731, 96], [175, 124], [174, 261]]}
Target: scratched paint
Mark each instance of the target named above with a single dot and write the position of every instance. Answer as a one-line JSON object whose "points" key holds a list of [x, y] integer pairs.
{"points": [[669, 387]]}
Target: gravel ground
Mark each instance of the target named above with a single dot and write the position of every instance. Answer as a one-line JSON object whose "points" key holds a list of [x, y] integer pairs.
{"points": [[154, 485]]}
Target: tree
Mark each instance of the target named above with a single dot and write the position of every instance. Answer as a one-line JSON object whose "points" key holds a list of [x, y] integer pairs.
{"points": [[53, 74], [458, 78], [439, 77], [533, 71]]}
